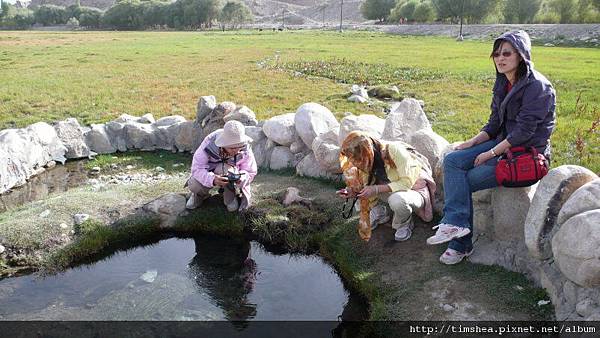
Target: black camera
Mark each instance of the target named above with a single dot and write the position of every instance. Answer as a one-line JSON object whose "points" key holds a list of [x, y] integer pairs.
{"points": [[232, 178]]}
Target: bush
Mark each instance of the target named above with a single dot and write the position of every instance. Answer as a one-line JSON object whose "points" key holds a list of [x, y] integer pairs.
{"points": [[424, 12], [90, 17], [235, 13]]}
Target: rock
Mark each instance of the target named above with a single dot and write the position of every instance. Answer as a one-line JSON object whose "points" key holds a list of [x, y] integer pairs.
{"points": [[553, 190], [585, 307], [262, 155], [129, 167], [16, 166], [292, 195], [116, 134], [359, 91], [357, 99], [189, 137], [309, 167], [543, 302], [169, 121], [448, 308], [327, 151], [430, 144], [576, 249], [78, 219], [255, 133], [159, 169], [370, 124], [586, 198], [70, 134], [510, 207], [149, 276], [140, 136], [214, 120], [281, 158], [50, 165], [96, 169], [124, 118], [98, 141], [63, 226], [594, 317], [384, 92], [167, 207], [2, 249], [45, 213], [242, 114], [312, 120], [298, 147], [405, 118], [146, 118], [48, 138], [205, 106], [165, 136], [281, 129]]}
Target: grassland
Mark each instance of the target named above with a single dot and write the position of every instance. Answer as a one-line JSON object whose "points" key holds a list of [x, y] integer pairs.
{"points": [[95, 76]]}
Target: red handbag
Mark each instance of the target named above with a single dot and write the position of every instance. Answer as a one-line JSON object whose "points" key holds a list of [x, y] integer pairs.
{"points": [[521, 167]]}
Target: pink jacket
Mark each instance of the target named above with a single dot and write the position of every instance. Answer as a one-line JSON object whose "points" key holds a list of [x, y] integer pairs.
{"points": [[205, 161]]}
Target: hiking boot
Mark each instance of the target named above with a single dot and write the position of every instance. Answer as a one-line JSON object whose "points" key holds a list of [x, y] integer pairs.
{"points": [[402, 234], [446, 233], [193, 202], [378, 215], [451, 256]]}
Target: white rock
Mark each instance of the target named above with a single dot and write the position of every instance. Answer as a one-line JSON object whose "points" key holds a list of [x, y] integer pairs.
{"points": [[312, 120], [587, 197], [309, 167], [124, 118], [2, 249], [169, 120], [298, 146], [576, 249], [149, 276], [70, 134], [543, 302], [49, 140], [116, 134], [146, 118], [327, 151], [448, 307], [167, 207], [370, 124], [262, 155], [585, 307], [281, 129], [255, 133], [205, 106], [159, 169], [359, 91], [45, 213], [510, 207], [405, 118], [63, 225], [552, 192], [357, 99], [242, 114], [140, 136], [281, 158], [129, 167], [98, 141], [78, 219], [430, 144], [189, 136]]}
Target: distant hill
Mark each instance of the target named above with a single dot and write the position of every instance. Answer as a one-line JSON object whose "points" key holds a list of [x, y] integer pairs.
{"points": [[267, 11]]}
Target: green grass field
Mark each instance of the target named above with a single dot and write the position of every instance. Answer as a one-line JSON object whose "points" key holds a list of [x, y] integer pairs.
{"points": [[96, 76]]}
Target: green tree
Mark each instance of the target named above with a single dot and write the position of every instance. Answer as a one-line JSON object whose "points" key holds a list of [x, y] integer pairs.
{"points": [[90, 17], [235, 13], [596, 4], [424, 12], [377, 9], [521, 11], [473, 11], [565, 9], [125, 14], [407, 10], [51, 15]]}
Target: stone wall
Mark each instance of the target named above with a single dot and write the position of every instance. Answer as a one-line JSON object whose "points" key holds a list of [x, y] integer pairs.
{"points": [[550, 231]]}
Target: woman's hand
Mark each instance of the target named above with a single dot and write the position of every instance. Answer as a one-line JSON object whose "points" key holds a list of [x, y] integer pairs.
{"points": [[345, 193], [483, 157], [368, 191], [465, 145], [220, 181]]}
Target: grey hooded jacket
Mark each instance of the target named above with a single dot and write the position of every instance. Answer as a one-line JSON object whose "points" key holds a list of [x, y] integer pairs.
{"points": [[526, 115]]}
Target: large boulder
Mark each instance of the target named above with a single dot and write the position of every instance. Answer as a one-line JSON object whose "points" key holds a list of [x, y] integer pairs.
{"points": [[45, 135], [576, 249], [215, 120], [116, 134], [552, 192], [205, 106], [166, 130], [70, 134], [262, 153], [98, 140], [13, 171], [327, 151], [281, 158], [405, 118], [586, 198], [309, 167], [384, 92], [359, 91], [510, 207], [369, 124], [168, 121], [189, 137], [430, 144], [255, 133], [242, 114], [312, 120], [140, 136], [281, 129], [167, 207]]}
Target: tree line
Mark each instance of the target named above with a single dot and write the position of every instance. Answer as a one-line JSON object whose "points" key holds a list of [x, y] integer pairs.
{"points": [[482, 11], [132, 15]]}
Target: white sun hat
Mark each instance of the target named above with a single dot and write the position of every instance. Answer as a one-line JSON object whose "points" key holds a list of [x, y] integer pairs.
{"points": [[233, 134]]}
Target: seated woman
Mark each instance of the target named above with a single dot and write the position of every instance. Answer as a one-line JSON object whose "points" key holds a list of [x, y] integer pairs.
{"points": [[221, 152], [523, 105], [396, 174]]}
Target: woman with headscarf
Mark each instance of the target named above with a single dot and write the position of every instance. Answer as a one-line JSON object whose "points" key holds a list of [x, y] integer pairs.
{"points": [[523, 106], [392, 172]]}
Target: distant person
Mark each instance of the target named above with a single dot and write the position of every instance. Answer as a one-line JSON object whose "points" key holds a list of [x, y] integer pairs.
{"points": [[523, 105], [224, 160], [393, 172]]}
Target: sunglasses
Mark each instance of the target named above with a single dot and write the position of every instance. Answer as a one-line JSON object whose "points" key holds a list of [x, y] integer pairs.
{"points": [[506, 53]]}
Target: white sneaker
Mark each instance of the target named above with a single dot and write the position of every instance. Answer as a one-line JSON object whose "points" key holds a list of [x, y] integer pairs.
{"points": [[402, 234], [451, 256], [378, 215], [446, 233], [233, 206], [193, 202]]}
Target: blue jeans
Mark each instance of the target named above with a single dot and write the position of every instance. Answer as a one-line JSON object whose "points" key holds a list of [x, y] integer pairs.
{"points": [[461, 178]]}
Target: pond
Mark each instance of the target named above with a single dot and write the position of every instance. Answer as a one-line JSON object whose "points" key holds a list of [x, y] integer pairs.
{"points": [[204, 278]]}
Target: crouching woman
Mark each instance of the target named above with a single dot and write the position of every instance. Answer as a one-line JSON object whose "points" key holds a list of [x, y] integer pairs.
{"points": [[224, 160], [392, 172]]}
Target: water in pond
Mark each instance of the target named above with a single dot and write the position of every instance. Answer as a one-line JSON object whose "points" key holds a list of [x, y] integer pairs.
{"points": [[206, 278]]}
